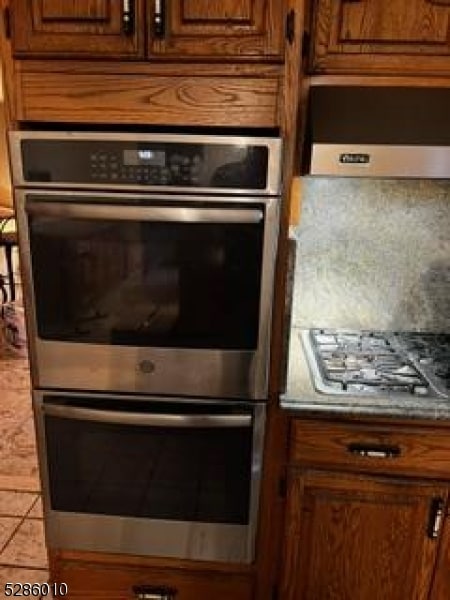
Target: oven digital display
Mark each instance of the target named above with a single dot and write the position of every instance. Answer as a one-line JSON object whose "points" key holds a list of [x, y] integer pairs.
{"points": [[144, 156]]}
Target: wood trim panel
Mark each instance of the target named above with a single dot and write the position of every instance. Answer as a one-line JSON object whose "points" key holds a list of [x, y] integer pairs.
{"points": [[414, 66], [148, 562], [272, 502], [135, 99], [149, 69], [423, 452], [378, 81]]}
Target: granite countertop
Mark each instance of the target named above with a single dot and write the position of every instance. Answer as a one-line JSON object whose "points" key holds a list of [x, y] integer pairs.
{"points": [[301, 396]]}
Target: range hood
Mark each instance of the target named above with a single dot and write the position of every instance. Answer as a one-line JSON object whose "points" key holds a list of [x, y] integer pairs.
{"points": [[378, 132]]}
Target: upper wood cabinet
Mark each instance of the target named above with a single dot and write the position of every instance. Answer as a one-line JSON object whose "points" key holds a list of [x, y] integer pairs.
{"points": [[239, 28], [409, 37], [81, 28], [139, 29]]}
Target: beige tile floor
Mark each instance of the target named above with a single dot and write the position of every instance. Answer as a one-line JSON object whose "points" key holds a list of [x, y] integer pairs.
{"points": [[23, 556]]}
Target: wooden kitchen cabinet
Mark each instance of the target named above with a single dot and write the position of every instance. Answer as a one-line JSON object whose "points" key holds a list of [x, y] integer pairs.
{"points": [[359, 537], [93, 28], [215, 28], [410, 37], [148, 29], [365, 516]]}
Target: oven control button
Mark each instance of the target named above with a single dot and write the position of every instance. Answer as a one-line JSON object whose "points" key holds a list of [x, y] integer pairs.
{"points": [[146, 366]]}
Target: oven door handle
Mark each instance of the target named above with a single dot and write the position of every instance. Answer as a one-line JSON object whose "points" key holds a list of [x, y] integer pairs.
{"points": [[148, 420], [113, 212]]}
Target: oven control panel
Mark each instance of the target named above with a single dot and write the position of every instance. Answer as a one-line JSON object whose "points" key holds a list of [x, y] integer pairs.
{"points": [[148, 168], [188, 162]]}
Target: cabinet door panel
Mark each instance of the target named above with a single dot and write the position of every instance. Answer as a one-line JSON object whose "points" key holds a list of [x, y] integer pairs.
{"points": [[358, 538], [396, 21], [385, 36], [71, 10], [214, 28], [77, 28]]}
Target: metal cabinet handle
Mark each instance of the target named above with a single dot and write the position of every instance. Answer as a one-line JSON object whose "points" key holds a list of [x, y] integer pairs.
{"points": [[146, 592], [159, 19], [436, 517], [374, 450], [128, 16]]}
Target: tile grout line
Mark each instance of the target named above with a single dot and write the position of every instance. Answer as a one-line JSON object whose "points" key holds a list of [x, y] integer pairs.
{"points": [[9, 539]]}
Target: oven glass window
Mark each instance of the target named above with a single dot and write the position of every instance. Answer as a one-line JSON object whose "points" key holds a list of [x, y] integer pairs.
{"points": [[182, 474], [163, 284]]}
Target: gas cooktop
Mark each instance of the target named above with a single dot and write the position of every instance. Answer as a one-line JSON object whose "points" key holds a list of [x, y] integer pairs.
{"points": [[379, 363]]}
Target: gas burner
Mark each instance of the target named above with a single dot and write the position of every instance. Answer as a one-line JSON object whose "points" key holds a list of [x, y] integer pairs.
{"points": [[377, 362]]}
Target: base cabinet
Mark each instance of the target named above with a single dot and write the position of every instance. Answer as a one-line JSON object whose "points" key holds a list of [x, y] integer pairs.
{"points": [[359, 537], [92, 581], [367, 512]]}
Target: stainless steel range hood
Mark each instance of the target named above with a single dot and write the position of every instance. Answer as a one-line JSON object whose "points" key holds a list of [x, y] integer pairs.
{"points": [[378, 132]]}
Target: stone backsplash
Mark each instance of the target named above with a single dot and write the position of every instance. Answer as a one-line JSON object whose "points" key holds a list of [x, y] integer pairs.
{"points": [[373, 254]]}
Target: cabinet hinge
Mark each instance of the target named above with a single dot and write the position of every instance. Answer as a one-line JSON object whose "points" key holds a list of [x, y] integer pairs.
{"points": [[7, 22], [436, 517], [290, 26]]}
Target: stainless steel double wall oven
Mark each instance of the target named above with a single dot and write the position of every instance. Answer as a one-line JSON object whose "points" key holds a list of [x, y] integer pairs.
{"points": [[148, 265]]}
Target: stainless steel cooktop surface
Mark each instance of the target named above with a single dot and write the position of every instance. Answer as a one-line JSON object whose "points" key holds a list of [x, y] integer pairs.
{"points": [[397, 364]]}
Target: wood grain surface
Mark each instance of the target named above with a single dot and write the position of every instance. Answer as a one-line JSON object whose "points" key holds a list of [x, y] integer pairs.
{"points": [[95, 581], [84, 28], [134, 99], [423, 451], [358, 538], [381, 36]]}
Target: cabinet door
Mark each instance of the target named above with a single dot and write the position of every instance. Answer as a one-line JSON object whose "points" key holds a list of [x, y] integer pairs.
{"points": [[215, 28], [441, 586], [393, 36], [352, 537], [77, 28]]}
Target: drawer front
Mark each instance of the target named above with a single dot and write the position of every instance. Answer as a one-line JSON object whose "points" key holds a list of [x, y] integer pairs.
{"points": [[94, 581], [383, 449]]}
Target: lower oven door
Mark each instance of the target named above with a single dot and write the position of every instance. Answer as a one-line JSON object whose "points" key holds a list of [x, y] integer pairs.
{"points": [[151, 477]]}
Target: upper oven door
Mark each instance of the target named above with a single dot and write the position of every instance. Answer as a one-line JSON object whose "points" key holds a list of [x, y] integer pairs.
{"points": [[139, 281]]}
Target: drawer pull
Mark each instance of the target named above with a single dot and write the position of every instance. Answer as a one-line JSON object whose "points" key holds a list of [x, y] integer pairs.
{"points": [[374, 451], [147, 592], [436, 517]]}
